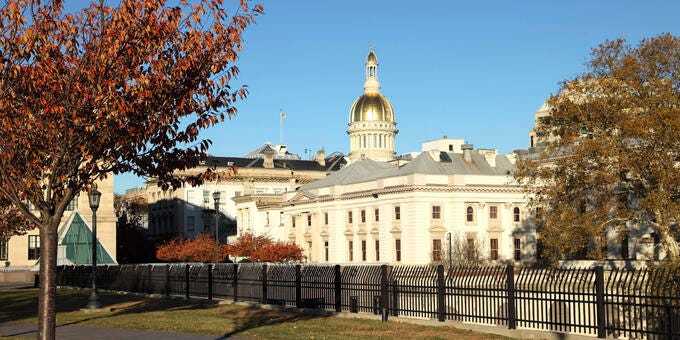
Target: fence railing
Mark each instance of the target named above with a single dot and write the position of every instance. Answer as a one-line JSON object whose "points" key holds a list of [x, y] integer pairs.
{"points": [[618, 303]]}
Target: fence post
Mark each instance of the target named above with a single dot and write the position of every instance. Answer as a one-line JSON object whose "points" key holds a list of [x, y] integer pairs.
{"points": [[167, 280], [186, 281], [298, 286], [384, 298], [511, 312], [441, 294], [210, 282], [235, 284], [338, 289], [599, 301], [150, 280], [264, 284], [395, 298]]}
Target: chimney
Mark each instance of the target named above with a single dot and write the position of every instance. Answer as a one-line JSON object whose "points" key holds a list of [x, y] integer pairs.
{"points": [[320, 157], [467, 152], [269, 159]]}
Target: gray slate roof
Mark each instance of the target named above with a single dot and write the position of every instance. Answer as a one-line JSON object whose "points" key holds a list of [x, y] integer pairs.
{"points": [[448, 163]]}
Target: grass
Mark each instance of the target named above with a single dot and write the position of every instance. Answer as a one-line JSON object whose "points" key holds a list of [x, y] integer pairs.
{"points": [[134, 312]]}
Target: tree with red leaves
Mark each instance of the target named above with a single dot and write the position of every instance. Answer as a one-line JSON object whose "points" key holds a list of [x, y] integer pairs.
{"points": [[103, 91], [261, 248]]}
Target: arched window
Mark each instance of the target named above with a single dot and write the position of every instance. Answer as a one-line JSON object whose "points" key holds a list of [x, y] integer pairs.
{"points": [[515, 214], [470, 214]]}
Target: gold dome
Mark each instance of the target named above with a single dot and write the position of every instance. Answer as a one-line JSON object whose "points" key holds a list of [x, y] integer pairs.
{"points": [[371, 107]]}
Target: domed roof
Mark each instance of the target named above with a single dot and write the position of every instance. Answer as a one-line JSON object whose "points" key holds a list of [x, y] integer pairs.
{"points": [[371, 58], [371, 107]]}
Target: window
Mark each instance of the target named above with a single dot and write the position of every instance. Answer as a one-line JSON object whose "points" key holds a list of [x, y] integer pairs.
{"points": [[624, 245], [518, 249], [191, 223], [436, 250], [493, 212], [73, 205], [376, 213], [206, 196], [292, 221], [33, 247], [325, 248], [377, 250], [471, 249], [267, 223], [397, 249], [309, 220], [351, 251], [494, 249], [539, 213], [281, 219], [515, 214], [450, 147], [4, 244], [436, 212], [363, 250], [363, 216], [469, 214], [397, 213], [349, 217], [325, 218]]}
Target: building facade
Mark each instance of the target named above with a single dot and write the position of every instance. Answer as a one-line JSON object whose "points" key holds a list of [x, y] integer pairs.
{"points": [[23, 252]]}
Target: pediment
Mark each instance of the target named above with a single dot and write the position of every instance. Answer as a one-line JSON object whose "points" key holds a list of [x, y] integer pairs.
{"points": [[302, 196], [436, 229]]}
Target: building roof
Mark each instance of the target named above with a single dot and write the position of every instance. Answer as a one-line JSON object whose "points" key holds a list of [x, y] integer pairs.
{"points": [[292, 164], [446, 163]]}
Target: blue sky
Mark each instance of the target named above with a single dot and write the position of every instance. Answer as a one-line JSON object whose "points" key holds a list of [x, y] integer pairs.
{"points": [[475, 70]]}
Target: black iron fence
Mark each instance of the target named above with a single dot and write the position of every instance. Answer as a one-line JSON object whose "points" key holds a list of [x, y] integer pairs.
{"points": [[619, 303]]}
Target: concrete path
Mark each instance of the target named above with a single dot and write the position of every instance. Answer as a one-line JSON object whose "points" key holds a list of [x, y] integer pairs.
{"points": [[26, 330]]}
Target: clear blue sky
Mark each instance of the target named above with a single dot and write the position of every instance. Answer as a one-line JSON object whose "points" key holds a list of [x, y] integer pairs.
{"points": [[475, 70]]}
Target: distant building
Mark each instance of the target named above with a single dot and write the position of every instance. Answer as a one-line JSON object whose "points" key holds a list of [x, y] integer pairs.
{"points": [[75, 236], [247, 194]]}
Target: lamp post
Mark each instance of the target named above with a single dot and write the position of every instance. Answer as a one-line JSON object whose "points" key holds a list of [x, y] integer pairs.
{"points": [[94, 197], [448, 238], [216, 198]]}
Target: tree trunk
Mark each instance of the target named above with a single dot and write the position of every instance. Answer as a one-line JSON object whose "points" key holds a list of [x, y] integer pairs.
{"points": [[671, 245], [48, 280]]}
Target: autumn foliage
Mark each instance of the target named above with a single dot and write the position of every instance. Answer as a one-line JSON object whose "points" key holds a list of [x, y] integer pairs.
{"points": [[97, 91], [251, 247]]}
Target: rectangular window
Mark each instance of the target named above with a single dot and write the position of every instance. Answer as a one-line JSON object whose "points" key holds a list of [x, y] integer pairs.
{"points": [[325, 218], [363, 216], [309, 220], [436, 250], [518, 249], [377, 250], [363, 250], [349, 217], [494, 249], [377, 215], [436, 212], [624, 246], [292, 221], [4, 244], [397, 213], [539, 213], [33, 247], [515, 214], [191, 223], [351, 251], [493, 212], [325, 247], [73, 205], [397, 249], [471, 249], [206, 196]]}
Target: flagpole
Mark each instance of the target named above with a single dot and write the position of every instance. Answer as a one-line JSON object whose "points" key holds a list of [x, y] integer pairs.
{"points": [[281, 116]]}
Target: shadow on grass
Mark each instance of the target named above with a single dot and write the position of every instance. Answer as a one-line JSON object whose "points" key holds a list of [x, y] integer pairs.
{"points": [[252, 317], [22, 306]]}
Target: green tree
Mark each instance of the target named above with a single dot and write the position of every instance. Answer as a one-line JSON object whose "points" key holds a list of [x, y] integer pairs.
{"points": [[104, 91], [613, 146]]}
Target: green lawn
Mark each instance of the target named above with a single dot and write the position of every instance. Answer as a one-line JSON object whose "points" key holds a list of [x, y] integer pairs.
{"points": [[176, 315]]}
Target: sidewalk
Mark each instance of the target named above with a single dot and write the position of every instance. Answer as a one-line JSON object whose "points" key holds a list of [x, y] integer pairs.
{"points": [[26, 330]]}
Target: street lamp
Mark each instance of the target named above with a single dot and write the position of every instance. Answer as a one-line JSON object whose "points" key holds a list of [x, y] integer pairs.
{"points": [[94, 197], [216, 198]]}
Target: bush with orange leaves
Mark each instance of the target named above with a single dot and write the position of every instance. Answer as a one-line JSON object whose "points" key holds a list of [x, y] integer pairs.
{"points": [[261, 248]]}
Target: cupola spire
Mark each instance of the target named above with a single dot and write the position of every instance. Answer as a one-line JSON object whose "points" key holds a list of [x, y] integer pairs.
{"points": [[371, 85]]}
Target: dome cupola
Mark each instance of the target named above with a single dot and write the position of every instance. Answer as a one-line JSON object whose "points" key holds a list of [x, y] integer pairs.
{"points": [[372, 124]]}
